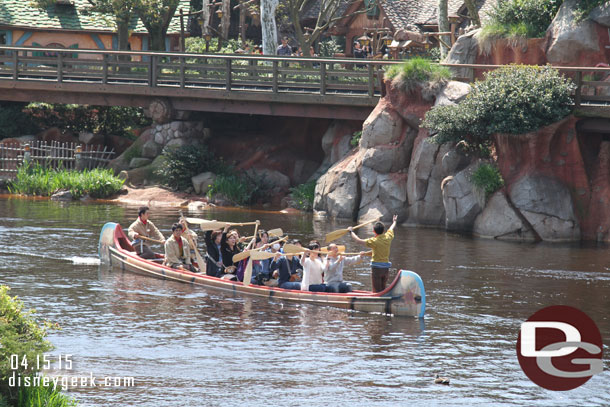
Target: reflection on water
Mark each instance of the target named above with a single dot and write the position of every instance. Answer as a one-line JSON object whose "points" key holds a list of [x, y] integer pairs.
{"points": [[192, 346]]}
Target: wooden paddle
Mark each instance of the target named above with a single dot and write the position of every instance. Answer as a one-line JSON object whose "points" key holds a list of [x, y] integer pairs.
{"points": [[246, 253], [214, 224], [342, 232], [248, 271], [150, 240], [325, 249], [200, 261], [275, 232]]}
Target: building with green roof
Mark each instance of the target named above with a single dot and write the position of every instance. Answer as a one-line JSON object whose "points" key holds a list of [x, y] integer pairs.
{"points": [[72, 24]]}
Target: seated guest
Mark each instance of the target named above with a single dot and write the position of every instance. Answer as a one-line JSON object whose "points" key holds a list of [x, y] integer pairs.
{"points": [[313, 269], [177, 252], [214, 265], [334, 269], [190, 235], [281, 270], [228, 249], [143, 227]]}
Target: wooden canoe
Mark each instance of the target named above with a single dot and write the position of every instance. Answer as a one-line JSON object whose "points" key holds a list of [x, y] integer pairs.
{"points": [[405, 296]]}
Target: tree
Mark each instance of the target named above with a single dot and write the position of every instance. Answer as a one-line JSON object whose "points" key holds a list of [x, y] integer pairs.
{"points": [[443, 26], [328, 14], [156, 15], [268, 26]]}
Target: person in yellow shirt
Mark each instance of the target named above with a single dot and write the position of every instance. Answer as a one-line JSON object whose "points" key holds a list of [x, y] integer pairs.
{"points": [[380, 243]]}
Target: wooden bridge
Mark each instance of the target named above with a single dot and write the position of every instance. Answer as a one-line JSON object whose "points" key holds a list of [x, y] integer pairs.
{"points": [[248, 84]]}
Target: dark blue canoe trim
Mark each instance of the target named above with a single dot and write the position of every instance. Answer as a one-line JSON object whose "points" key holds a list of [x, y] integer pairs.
{"points": [[271, 293], [192, 279], [351, 303]]}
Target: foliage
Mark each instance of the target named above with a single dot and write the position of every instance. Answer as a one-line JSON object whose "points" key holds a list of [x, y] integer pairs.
{"points": [[355, 140], [14, 122], [329, 47], [513, 99], [43, 396], [156, 16], [20, 334], [116, 120], [415, 72], [520, 18], [487, 178], [37, 180], [236, 188], [182, 163], [197, 45], [303, 195]]}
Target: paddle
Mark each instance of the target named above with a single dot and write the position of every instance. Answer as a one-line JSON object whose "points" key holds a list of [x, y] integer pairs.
{"points": [[215, 224], [292, 250], [150, 240], [246, 253], [342, 232], [325, 249], [248, 271], [275, 232], [200, 261]]}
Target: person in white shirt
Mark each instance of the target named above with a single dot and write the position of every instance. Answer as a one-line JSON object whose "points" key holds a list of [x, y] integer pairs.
{"points": [[313, 269], [334, 269]]}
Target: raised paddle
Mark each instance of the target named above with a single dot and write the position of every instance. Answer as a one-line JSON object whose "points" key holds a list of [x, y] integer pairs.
{"points": [[342, 232], [215, 224], [275, 232], [325, 249], [246, 253], [248, 271]]}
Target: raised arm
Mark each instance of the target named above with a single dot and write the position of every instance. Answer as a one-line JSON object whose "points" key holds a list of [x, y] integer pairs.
{"points": [[394, 219], [355, 237]]}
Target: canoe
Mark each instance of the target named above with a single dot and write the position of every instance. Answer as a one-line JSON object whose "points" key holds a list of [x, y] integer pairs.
{"points": [[405, 296]]}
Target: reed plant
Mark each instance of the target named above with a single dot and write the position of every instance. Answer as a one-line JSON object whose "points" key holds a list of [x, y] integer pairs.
{"points": [[38, 180], [43, 396]]}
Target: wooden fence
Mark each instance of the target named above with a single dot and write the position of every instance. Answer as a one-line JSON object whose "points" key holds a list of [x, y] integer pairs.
{"points": [[54, 155]]}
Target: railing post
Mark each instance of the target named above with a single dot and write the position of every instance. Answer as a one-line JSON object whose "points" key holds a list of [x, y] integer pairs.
{"points": [[371, 80], [323, 78], [275, 76], [105, 69], [578, 92], [15, 67], [60, 67], [228, 73], [152, 74], [182, 80]]}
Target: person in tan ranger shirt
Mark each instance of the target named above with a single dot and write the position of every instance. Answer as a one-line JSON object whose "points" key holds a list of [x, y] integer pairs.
{"points": [[177, 250], [380, 243], [144, 227]]}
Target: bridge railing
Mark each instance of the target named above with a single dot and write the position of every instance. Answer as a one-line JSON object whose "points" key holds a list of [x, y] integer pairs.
{"points": [[212, 71]]}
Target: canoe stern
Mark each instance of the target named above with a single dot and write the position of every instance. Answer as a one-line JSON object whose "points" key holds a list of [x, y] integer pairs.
{"points": [[106, 241], [408, 295]]}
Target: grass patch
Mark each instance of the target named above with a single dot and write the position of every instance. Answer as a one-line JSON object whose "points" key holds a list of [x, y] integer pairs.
{"points": [[37, 180], [303, 195], [488, 179], [43, 396], [416, 73], [237, 189]]}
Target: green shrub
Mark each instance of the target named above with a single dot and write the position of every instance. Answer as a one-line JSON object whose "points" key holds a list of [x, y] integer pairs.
{"points": [[415, 72], [355, 140], [14, 122], [487, 178], [109, 120], [514, 99], [238, 189], [37, 180], [182, 163], [303, 195], [196, 45], [43, 396], [520, 18], [22, 335]]}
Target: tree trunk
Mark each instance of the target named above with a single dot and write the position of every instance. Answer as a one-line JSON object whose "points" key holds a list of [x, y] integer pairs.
{"points": [[472, 12], [242, 23], [123, 43], [157, 39], [443, 26], [225, 21], [205, 15], [268, 26]]}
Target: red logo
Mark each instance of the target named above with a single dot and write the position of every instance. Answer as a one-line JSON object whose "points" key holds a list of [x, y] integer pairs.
{"points": [[560, 348]]}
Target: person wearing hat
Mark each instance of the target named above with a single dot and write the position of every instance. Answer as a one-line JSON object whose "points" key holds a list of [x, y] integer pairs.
{"points": [[284, 49]]}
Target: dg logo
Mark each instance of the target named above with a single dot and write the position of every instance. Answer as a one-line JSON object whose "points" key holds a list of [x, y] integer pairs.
{"points": [[560, 348]]}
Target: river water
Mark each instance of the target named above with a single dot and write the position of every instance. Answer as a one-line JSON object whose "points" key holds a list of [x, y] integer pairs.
{"points": [[191, 346]]}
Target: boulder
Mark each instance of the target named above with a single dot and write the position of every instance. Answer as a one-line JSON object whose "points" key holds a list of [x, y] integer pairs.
{"points": [[461, 200], [138, 162], [500, 221], [452, 93], [87, 137], [454, 161], [55, 134], [151, 149], [547, 205], [143, 175], [383, 126], [601, 14], [464, 51], [62, 195], [269, 179], [303, 171], [337, 190], [568, 38], [196, 206], [336, 142], [202, 182]]}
